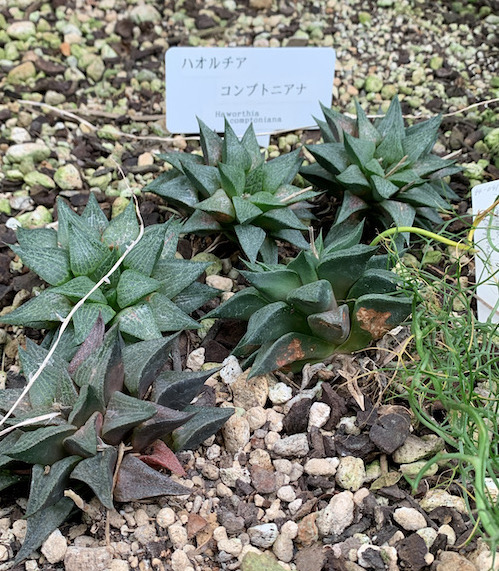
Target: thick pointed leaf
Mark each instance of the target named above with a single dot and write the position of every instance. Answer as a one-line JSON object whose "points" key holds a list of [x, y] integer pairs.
{"points": [[168, 316], [250, 143], [40, 312], [88, 402], [424, 195], [250, 239], [266, 201], [305, 265], [170, 243], [342, 269], [201, 222], [47, 486], [86, 316], [122, 230], [366, 130], [7, 479], [401, 213], [281, 219], [254, 180], [274, 285], [429, 164], [41, 446], [360, 151], [138, 321], [93, 215], [424, 213], [374, 281], [53, 385], [246, 211], [51, 264], [165, 420], [289, 194], [86, 253], [332, 326], [354, 179], [205, 179], [158, 456], [146, 253], [420, 138], [85, 440], [206, 422], [143, 361], [137, 481], [233, 151], [65, 217], [97, 473], [92, 342], [288, 349], [312, 297], [211, 144], [40, 238], [351, 204], [330, 156], [133, 286], [194, 296], [242, 305], [174, 187], [391, 152], [219, 206], [41, 525], [294, 237], [405, 176], [122, 414], [326, 132], [176, 275], [281, 170], [77, 288], [233, 179], [339, 123], [177, 389], [67, 345], [392, 121], [382, 188], [373, 316], [373, 167], [269, 323], [343, 235]]}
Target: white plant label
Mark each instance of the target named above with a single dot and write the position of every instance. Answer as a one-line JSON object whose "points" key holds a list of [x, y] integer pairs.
{"points": [[486, 241], [273, 88]]}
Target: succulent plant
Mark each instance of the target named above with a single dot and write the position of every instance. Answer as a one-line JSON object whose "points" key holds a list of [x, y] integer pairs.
{"points": [[152, 292], [233, 190], [99, 398], [383, 172], [334, 298]]}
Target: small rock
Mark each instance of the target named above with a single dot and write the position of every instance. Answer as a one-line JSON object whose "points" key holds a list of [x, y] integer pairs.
{"points": [[231, 369], [250, 393], [373, 84], [449, 533], [195, 360], [321, 466], [263, 480], [319, 414], [280, 393], [256, 417], [21, 30], [451, 561], [283, 545], [230, 475], [165, 517], [308, 533], [27, 151], [68, 177], [428, 534], [437, 498], [260, 4], [415, 448], [144, 13], [21, 73], [95, 69], [259, 561], [412, 470], [337, 516], [54, 547], [34, 178], [178, 535], [54, 97], [294, 446], [219, 282], [236, 433], [144, 534], [296, 420], [390, 431], [286, 494], [232, 546], [409, 518], [263, 535], [351, 473], [94, 558], [179, 560], [261, 458], [20, 135]]}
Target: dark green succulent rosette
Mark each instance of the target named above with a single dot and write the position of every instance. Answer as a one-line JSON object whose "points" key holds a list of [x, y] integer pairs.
{"points": [[336, 297], [232, 189], [383, 172], [150, 293]]}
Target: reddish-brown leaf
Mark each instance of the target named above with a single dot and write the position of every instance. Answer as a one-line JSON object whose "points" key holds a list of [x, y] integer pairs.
{"points": [[160, 456]]}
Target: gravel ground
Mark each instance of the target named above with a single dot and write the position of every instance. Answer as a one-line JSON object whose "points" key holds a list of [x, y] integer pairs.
{"points": [[297, 479]]}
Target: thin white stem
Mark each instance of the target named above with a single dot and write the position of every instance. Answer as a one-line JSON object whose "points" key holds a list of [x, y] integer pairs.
{"points": [[66, 321], [29, 421]]}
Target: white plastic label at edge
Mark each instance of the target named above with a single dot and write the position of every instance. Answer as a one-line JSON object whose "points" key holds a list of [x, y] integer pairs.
{"points": [[486, 241], [273, 88]]}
